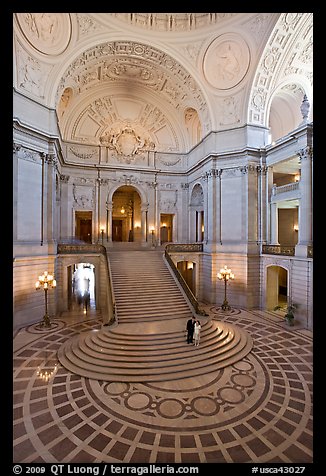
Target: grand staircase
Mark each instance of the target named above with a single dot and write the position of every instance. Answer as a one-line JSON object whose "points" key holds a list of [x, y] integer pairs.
{"points": [[148, 341], [144, 288]]}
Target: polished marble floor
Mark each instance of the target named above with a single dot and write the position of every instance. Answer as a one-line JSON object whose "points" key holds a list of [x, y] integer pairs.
{"points": [[257, 410]]}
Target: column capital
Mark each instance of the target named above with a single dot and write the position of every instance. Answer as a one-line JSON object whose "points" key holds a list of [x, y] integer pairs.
{"points": [[305, 153]]}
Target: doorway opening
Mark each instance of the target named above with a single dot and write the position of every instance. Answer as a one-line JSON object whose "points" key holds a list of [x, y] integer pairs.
{"points": [[83, 226], [126, 214], [276, 288], [166, 227], [81, 287]]}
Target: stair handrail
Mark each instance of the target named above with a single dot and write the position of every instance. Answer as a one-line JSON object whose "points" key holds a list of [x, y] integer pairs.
{"points": [[190, 295]]}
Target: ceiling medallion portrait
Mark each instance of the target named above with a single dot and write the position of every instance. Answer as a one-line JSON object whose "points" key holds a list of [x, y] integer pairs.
{"points": [[126, 143], [226, 61], [48, 33]]}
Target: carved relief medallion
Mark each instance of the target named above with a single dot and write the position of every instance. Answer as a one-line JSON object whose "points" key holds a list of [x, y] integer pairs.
{"points": [[49, 33], [226, 61]]}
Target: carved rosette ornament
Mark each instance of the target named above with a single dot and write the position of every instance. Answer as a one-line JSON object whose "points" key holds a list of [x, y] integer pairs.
{"points": [[126, 143]]}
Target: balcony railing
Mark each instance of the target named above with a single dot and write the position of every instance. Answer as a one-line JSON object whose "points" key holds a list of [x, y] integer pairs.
{"points": [[184, 247], [72, 248], [278, 250], [289, 187]]}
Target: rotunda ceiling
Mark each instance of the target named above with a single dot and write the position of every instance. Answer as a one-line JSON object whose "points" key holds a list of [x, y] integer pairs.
{"points": [[125, 83]]}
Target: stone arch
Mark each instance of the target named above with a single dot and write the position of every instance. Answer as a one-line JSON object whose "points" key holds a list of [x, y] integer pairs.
{"points": [[128, 214], [285, 109], [197, 214], [271, 72]]}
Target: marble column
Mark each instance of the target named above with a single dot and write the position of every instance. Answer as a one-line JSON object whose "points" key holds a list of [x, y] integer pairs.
{"points": [[212, 208], [274, 223], [199, 225], [143, 224], [65, 217], [49, 197], [109, 207], [305, 203]]}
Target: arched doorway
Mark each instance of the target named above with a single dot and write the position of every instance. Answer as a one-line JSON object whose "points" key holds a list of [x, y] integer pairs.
{"points": [[276, 287], [126, 215]]}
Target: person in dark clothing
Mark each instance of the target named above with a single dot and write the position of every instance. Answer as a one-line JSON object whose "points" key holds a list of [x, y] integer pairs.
{"points": [[190, 330]]}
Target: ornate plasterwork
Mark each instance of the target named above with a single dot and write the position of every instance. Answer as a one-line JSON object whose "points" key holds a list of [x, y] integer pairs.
{"points": [[229, 111], [31, 73], [135, 63], [197, 196], [83, 196], [48, 33], [108, 116], [87, 24], [279, 61], [177, 22], [226, 61], [126, 142], [82, 155]]}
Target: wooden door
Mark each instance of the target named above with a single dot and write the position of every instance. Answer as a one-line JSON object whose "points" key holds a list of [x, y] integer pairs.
{"points": [[116, 230], [85, 230]]}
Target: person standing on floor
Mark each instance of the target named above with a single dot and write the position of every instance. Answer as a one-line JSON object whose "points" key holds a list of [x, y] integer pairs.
{"points": [[197, 330], [190, 330]]}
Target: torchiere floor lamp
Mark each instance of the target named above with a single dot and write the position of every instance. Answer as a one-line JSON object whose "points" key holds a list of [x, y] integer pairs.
{"points": [[225, 275], [45, 282]]}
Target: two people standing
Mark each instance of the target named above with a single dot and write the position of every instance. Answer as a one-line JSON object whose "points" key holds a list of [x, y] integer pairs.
{"points": [[193, 331]]}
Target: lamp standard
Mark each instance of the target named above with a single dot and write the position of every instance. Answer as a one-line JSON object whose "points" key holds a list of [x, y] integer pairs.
{"points": [[45, 281], [102, 234], [224, 275]]}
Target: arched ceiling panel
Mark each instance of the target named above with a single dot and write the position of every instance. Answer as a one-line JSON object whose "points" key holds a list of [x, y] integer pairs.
{"points": [[133, 76]]}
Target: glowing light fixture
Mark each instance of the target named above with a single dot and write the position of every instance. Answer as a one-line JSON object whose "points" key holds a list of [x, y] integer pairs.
{"points": [[225, 275], [45, 281]]}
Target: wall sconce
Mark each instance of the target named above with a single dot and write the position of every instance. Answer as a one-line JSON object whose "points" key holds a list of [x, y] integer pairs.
{"points": [[137, 224], [190, 265], [297, 178], [122, 210], [163, 225], [296, 227]]}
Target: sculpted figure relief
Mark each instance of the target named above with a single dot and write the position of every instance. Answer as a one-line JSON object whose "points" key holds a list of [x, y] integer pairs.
{"points": [[226, 61], [43, 25]]}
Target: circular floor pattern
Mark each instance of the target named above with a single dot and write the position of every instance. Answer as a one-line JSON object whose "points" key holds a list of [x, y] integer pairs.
{"points": [[113, 356], [257, 410]]}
